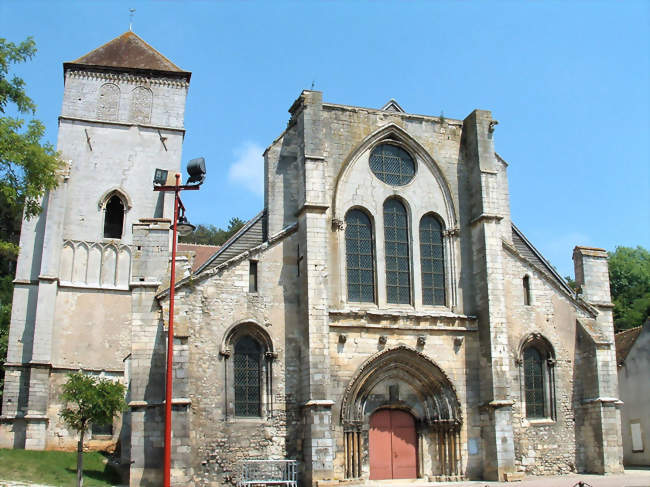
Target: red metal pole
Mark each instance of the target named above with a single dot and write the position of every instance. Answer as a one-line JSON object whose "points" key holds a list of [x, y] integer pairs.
{"points": [[170, 348]]}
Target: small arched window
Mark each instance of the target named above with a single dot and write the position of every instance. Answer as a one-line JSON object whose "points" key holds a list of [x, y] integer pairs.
{"points": [[359, 257], [396, 243], [247, 371], [538, 381], [114, 217], [432, 261], [526, 284]]}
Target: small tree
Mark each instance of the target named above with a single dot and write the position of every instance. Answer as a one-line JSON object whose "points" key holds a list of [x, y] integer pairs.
{"points": [[88, 400]]}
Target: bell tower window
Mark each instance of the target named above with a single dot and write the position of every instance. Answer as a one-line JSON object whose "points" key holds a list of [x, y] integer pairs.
{"points": [[114, 218]]}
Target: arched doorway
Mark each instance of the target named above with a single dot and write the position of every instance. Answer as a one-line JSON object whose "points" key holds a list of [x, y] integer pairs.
{"points": [[392, 445], [401, 379]]}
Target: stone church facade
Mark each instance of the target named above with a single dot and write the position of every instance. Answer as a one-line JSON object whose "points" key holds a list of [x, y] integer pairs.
{"points": [[381, 317]]}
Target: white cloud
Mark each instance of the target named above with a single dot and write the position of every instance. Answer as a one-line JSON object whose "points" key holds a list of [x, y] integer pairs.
{"points": [[248, 168]]}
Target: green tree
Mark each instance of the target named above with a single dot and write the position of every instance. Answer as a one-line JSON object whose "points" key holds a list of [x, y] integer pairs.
{"points": [[211, 235], [28, 169], [89, 400], [629, 279]]}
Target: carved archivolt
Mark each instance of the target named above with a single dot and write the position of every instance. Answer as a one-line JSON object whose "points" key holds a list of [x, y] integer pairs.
{"points": [[437, 401], [251, 328]]}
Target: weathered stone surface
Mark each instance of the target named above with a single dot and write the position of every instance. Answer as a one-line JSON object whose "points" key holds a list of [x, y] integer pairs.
{"points": [[323, 364]]}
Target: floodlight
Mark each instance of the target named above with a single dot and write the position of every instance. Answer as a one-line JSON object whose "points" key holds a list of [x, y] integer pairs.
{"points": [[196, 170], [160, 177]]}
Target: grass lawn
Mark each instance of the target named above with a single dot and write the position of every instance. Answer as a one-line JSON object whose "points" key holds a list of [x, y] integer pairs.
{"points": [[56, 468]]}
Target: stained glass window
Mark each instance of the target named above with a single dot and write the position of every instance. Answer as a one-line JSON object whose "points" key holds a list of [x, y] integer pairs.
{"points": [[247, 377], [534, 383], [432, 261], [359, 255], [392, 164], [396, 243]]}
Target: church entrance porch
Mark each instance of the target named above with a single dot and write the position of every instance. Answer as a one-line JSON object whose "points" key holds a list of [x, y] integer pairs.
{"points": [[401, 419], [392, 445]]}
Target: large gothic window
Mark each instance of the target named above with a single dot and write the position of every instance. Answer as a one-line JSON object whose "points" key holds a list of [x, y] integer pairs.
{"points": [[432, 261], [359, 257], [114, 217], [396, 243], [392, 164], [247, 368]]}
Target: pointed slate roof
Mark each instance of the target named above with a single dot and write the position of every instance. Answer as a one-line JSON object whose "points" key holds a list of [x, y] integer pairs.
{"points": [[128, 52]]}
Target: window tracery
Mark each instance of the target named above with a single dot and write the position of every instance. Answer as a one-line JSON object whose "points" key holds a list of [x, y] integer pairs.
{"points": [[432, 261], [392, 164], [359, 257], [396, 242]]}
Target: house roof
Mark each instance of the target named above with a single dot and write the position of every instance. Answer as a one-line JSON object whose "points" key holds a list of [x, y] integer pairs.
{"points": [[201, 252], [130, 52], [624, 341]]}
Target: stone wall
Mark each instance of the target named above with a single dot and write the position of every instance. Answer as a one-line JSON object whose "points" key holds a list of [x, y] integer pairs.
{"points": [[543, 446], [209, 311]]}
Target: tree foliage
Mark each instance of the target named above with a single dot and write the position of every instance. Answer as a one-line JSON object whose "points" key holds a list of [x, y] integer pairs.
{"points": [[629, 279], [211, 235], [27, 170], [27, 165], [87, 400]]}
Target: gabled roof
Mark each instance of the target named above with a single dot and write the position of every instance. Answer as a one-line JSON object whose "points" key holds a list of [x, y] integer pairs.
{"points": [[201, 252], [624, 341], [249, 236], [129, 52], [392, 106]]}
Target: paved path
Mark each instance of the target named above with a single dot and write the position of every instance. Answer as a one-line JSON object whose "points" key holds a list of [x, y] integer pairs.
{"points": [[631, 478]]}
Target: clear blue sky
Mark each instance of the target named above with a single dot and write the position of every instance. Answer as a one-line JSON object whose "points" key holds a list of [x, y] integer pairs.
{"points": [[568, 82]]}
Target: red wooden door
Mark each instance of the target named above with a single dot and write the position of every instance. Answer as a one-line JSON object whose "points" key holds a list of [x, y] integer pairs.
{"points": [[392, 444]]}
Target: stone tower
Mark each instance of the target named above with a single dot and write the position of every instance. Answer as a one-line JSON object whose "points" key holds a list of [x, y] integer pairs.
{"points": [[79, 267]]}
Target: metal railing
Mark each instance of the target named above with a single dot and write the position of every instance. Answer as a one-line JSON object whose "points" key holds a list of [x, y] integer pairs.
{"points": [[269, 472]]}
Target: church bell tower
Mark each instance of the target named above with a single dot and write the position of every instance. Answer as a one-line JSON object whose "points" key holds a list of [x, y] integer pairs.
{"points": [[122, 117]]}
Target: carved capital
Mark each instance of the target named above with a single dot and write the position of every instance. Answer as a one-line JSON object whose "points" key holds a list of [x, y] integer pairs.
{"points": [[337, 224], [451, 232]]}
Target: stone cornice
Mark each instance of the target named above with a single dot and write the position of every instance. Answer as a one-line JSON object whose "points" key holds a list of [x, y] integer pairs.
{"points": [[95, 121], [486, 217], [134, 78], [312, 208]]}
